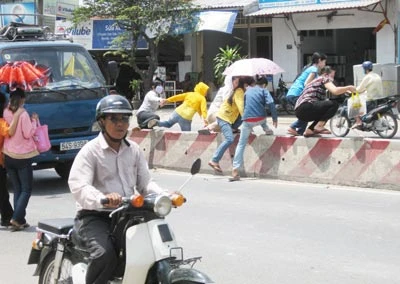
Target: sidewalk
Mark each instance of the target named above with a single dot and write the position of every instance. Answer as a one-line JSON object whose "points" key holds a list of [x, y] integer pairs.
{"points": [[284, 120]]}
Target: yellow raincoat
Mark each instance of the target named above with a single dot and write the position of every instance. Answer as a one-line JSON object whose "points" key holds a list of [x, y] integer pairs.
{"points": [[230, 112], [192, 102]]}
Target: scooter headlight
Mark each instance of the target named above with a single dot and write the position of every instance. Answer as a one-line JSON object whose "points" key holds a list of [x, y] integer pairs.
{"points": [[162, 205]]}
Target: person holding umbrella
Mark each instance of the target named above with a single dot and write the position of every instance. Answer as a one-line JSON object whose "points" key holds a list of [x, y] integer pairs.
{"points": [[229, 111]]}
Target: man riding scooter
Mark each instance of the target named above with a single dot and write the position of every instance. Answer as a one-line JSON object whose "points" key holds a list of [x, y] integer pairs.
{"points": [[109, 166], [371, 87]]}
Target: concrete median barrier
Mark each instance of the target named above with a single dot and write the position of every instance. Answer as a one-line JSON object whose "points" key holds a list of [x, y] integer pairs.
{"points": [[353, 162]]}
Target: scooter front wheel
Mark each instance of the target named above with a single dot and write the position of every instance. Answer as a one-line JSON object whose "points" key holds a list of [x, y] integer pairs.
{"points": [[46, 275], [340, 125]]}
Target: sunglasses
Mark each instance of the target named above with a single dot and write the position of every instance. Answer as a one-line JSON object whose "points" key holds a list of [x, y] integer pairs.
{"points": [[116, 119]]}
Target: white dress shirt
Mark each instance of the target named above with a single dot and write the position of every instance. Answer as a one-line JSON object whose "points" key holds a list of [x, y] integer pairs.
{"points": [[98, 170]]}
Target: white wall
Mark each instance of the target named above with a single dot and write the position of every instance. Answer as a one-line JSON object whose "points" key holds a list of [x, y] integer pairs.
{"points": [[289, 59]]}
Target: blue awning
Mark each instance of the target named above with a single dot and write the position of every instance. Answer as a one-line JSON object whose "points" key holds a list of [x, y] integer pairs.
{"points": [[314, 7]]}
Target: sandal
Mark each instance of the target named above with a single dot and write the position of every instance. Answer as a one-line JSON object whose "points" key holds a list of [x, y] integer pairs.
{"points": [[204, 131], [322, 131], [293, 132], [15, 226], [215, 167], [308, 133], [234, 178]]}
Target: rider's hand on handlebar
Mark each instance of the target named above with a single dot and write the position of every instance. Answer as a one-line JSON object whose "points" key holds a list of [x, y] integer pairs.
{"points": [[114, 200]]}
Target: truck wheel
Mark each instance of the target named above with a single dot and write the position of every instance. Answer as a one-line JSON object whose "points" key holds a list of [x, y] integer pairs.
{"points": [[63, 170]]}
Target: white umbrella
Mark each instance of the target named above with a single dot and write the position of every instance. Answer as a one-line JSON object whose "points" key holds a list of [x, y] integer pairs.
{"points": [[252, 67]]}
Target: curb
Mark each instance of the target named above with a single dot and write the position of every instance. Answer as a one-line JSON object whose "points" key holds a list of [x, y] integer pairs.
{"points": [[357, 162]]}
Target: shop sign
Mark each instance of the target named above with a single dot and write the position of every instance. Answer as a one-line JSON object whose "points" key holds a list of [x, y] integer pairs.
{"points": [[95, 34], [65, 10], [49, 7], [286, 3]]}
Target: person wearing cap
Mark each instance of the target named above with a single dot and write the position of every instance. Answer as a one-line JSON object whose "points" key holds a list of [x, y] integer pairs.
{"points": [[109, 166], [151, 103]]}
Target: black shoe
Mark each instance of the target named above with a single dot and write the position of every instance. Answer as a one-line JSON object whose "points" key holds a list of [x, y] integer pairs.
{"points": [[5, 223]]}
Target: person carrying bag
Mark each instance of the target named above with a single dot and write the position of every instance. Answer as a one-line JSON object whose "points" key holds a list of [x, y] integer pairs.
{"points": [[19, 149]]}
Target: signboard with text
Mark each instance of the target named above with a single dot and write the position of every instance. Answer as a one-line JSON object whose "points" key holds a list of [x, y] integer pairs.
{"points": [[95, 34], [286, 3]]}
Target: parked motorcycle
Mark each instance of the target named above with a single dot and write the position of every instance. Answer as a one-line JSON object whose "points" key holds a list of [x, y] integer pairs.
{"points": [[149, 253], [281, 103], [381, 120]]}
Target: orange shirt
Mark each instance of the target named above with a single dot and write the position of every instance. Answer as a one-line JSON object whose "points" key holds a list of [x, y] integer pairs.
{"points": [[3, 133]]}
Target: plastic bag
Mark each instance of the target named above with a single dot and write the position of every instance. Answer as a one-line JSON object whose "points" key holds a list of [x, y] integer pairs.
{"points": [[41, 138], [356, 105]]}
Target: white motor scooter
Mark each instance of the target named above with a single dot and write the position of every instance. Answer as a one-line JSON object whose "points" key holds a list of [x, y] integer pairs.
{"points": [[149, 253]]}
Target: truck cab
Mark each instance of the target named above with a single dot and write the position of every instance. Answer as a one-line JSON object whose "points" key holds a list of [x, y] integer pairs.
{"points": [[68, 101]]}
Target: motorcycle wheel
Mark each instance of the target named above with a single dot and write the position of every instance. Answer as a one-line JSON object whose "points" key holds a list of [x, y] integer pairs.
{"points": [[289, 109], [389, 122], [340, 125], [47, 272]]}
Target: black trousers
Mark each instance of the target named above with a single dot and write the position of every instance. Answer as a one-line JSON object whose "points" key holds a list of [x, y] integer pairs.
{"points": [[317, 111], [94, 229], [6, 210]]}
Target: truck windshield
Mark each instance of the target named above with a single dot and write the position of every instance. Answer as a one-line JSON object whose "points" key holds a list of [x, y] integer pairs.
{"points": [[71, 69]]}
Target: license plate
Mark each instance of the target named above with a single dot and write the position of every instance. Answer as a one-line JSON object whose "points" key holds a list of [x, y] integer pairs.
{"points": [[395, 110], [65, 146]]}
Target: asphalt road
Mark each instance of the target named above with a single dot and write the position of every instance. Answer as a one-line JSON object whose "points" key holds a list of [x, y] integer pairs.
{"points": [[252, 231]]}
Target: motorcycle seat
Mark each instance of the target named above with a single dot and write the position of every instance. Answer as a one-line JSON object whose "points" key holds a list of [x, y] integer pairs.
{"points": [[60, 226]]}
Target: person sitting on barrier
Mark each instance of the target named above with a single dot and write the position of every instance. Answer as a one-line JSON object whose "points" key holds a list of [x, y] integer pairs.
{"points": [[151, 103], [371, 86], [313, 105], [256, 100], [228, 113], [192, 102], [309, 73]]}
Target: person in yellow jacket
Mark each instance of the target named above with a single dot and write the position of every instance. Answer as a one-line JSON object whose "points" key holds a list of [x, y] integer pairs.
{"points": [[193, 102], [228, 113]]}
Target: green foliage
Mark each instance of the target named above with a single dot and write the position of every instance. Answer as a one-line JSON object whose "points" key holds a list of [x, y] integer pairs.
{"points": [[224, 59], [137, 17], [135, 86]]}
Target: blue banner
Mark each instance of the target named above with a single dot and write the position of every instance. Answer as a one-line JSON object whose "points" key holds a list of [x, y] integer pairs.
{"points": [[105, 31]]}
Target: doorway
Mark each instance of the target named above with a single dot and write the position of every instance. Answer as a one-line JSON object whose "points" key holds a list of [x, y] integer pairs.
{"points": [[264, 42]]}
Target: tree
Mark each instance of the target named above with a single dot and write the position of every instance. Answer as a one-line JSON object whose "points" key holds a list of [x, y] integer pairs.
{"points": [[150, 20], [223, 59]]}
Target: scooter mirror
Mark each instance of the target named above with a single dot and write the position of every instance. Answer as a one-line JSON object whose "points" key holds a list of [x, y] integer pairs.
{"points": [[196, 167]]}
